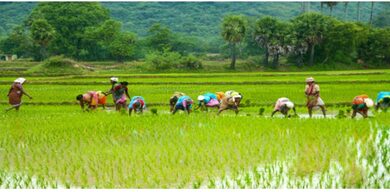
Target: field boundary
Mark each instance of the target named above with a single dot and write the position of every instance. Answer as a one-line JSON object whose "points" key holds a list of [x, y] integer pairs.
{"points": [[199, 83], [337, 104]]}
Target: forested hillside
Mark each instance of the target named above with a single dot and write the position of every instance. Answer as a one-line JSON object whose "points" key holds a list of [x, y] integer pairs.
{"points": [[202, 19]]}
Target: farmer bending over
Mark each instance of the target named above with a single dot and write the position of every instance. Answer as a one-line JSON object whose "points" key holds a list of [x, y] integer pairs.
{"points": [[230, 102], [92, 99], [173, 100], [382, 101], [360, 104], [137, 104], [183, 103], [207, 100], [283, 105]]}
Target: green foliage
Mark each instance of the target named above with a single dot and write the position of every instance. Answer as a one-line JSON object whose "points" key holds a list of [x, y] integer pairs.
{"points": [[122, 47], [311, 28], [70, 20], [42, 33], [191, 62], [170, 59], [233, 31], [376, 49], [59, 62], [57, 65], [163, 60], [18, 42]]}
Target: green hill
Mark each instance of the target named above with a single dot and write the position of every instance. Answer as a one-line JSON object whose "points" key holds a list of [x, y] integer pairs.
{"points": [[200, 19]]}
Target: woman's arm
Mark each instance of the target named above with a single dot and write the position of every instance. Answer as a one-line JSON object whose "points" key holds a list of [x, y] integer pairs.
{"points": [[24, 92]]}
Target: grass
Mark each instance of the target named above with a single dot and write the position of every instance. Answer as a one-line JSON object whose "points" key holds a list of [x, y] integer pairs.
{"points": [[167, 151], [58, 146]]}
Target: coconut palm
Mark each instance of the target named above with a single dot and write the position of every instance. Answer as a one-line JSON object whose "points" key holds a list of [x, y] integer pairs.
{"points": [[233, 31]]}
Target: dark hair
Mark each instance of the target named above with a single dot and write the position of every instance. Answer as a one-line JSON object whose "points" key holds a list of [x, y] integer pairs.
{"points": [[79, 97], [124, 83]]}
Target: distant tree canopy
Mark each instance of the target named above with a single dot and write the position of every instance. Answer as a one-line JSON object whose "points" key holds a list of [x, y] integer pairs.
{"points": [[86, 31]]}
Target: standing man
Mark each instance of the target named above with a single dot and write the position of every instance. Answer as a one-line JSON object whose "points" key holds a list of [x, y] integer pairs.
{"points": [[312, 92]]}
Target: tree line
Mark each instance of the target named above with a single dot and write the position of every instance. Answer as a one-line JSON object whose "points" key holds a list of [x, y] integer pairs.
{"points": [[85, 31]]}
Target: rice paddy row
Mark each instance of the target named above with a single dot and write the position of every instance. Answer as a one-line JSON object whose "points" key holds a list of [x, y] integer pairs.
{"points": [[65, 147]]}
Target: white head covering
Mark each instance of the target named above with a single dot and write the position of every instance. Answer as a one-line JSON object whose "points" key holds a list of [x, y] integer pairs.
{"points": [[236, 97], [369, 102], [309, 79], [114, 79], [20, 80], [200, 98], [290, 104]]}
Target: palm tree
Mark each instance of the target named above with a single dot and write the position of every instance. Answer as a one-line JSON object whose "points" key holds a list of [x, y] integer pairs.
{"points": [[358, 11], [331, 4], [345, 10], [372, 9], [233, 31]]}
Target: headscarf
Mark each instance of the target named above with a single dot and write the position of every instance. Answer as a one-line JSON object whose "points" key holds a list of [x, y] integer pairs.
{"points": [[20, 80]]}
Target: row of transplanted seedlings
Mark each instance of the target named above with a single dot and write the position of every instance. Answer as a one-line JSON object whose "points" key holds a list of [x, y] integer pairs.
{"points": [[375, 169]]}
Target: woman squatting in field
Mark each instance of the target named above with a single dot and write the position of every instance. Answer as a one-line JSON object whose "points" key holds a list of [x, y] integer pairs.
{"points": [[92, 99], [312, 91], [183, 103], [207, 100], [283, 105], [137, 104], [360, 104], [15, 94]]}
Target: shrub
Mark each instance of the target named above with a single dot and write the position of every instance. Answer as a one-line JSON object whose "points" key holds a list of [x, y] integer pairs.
{"points": [[59, 61], [164, 60], [191, 62]]}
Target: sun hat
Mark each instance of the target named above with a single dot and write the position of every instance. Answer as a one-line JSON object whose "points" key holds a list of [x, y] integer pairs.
{"points": [[369, 102], [114, 79], [309, 79], [290, 104], [200, 98], [20, 80]]}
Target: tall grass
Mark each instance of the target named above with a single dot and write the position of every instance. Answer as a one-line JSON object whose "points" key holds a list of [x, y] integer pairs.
{"points": [[110, 150]]}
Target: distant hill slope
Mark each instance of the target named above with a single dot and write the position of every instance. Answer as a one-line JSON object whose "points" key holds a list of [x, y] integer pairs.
{"points": [[200, 19]]}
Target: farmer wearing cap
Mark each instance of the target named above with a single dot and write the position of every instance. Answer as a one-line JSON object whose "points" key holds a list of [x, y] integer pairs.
{"points": [[360, 104], [15, 94], [92, 99], [120, 92], [137, 104], [382, 101], [230, 102], [183, 103], [283, 105], [312, 91], [207, 100], [173, 100]]}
